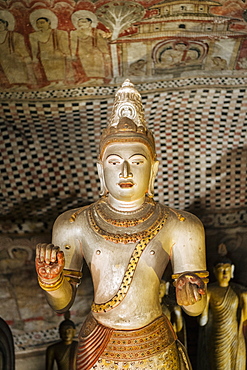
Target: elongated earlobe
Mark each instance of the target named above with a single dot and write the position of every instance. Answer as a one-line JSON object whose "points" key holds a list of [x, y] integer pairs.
{"points": [[153, 174], [103, 189], [232, 271]]}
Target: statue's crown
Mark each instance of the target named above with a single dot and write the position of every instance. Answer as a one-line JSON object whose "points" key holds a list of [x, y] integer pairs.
{"points": [[127, 122]]}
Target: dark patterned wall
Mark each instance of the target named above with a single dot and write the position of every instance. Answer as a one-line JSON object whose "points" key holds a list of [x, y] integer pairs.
{"points": [[49, 150], [49, 146]]}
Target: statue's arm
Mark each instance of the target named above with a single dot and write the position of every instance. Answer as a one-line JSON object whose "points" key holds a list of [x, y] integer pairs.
{"points": [[49, 266], [59, 265], [244, 298], [189, 264], [203, 318], [178, 319], [49, 358]]}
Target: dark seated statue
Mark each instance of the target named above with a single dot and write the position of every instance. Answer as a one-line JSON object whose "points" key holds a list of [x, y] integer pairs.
{"points": [[64, 351]]}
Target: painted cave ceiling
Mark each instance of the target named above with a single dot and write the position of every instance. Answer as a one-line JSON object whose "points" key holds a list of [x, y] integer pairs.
{"points": [[48, 43]]}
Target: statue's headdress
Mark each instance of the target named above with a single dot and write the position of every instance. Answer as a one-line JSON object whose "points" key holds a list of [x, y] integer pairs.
{"points": [[127, 122], [223, 255]]}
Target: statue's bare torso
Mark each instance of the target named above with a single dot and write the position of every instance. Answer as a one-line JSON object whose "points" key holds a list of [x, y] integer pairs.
{"points": [[109, 260]]}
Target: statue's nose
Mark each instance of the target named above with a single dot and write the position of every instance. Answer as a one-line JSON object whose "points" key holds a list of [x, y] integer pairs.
{"points": [[125, 173]]}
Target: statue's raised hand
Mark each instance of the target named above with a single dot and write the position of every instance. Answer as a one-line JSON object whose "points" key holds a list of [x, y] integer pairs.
{"points": [[49, 262], [189, 289]]}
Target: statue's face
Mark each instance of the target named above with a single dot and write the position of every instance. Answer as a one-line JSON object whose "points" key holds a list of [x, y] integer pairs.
{"points": [[223, 273], [127, 170], [67, 333]]}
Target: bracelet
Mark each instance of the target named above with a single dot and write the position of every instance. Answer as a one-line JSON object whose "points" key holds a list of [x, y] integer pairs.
{"points": [[201, 274], [52, 286]]}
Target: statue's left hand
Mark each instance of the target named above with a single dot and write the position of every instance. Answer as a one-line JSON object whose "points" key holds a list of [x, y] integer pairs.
{"points": [[189, 289]]}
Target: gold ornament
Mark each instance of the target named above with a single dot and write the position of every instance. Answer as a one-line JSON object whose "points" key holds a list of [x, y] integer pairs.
{"points": [[104, 210], [125, 238], [53, 286], [129, 273]]}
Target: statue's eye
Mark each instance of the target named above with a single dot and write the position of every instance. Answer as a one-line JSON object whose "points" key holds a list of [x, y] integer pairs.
{"points": [[113, 162], [137, 163], [138, 160]]}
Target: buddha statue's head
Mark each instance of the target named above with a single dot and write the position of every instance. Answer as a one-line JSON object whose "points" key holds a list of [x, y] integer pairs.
{"points": [[223, 273], [67, 331], [223, 266], [127, 163]]}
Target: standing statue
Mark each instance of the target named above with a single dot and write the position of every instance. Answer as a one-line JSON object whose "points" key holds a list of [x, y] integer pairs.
{"points": [[127, 240], [173, 312], [222, 343], [63, 352]]}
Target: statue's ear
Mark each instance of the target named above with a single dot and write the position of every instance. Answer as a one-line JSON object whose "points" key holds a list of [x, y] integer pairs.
{"points": [[103, 190], [153, 174], [232, 271]]}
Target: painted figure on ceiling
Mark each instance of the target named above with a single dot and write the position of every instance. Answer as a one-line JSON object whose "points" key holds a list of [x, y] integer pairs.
{"points": [[127, 240], [218, 63], [15, 60], [178, 54], [50, 47], [137, 68], [222, 343], [90, 46]]}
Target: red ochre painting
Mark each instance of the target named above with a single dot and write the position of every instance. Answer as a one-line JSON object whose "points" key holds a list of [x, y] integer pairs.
{"points": [[63, 44]]}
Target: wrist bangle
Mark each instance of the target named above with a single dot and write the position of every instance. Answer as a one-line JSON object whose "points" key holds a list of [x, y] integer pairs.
{"points": [[52, 286], [201, 274]]}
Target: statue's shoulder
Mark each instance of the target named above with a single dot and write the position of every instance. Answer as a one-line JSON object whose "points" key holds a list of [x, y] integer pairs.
{"points": [[69, 217], [238, 288], [183, 218], [212, 286]]}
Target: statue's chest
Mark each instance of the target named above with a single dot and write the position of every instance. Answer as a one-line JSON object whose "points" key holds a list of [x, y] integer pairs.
{"points": [[224, 296], [119, 240], [116, 259]]}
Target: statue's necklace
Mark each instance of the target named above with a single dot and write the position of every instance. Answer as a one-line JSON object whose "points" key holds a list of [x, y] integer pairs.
{"points": [[126, 218], [131, 236]]}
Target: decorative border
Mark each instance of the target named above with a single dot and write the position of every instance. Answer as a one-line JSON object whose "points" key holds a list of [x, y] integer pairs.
{"points": [[109, 90], [223, 218]]}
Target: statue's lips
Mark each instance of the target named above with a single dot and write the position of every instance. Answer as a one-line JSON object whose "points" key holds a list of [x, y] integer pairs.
{"points": [[126, 185]]}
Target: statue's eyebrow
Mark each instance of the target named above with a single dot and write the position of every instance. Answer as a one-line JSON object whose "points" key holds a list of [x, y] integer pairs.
{"points": [[115, 155], [142, 155]]}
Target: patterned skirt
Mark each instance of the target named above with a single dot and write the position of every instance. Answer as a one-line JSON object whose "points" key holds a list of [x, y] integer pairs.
{"points": [[154, 346]]}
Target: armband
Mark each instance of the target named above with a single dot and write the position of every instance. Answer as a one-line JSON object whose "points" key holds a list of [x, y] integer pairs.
{"points": [[52, 286], [73, 276]]}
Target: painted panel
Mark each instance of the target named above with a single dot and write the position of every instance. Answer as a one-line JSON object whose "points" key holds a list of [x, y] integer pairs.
{"points": [[69, 43]]}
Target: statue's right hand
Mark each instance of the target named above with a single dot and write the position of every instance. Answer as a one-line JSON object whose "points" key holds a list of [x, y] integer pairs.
{"points": [[49, 262]]}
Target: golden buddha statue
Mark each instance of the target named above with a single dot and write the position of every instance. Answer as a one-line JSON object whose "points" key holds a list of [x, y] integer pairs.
{"points": [[222, 342], [127, 240]]}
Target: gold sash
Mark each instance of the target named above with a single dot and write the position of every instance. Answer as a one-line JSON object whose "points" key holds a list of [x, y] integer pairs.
{"points": [[129, 273]]}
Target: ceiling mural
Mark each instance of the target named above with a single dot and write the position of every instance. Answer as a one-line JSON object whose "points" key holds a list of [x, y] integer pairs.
{"points": [[55, 44]]}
